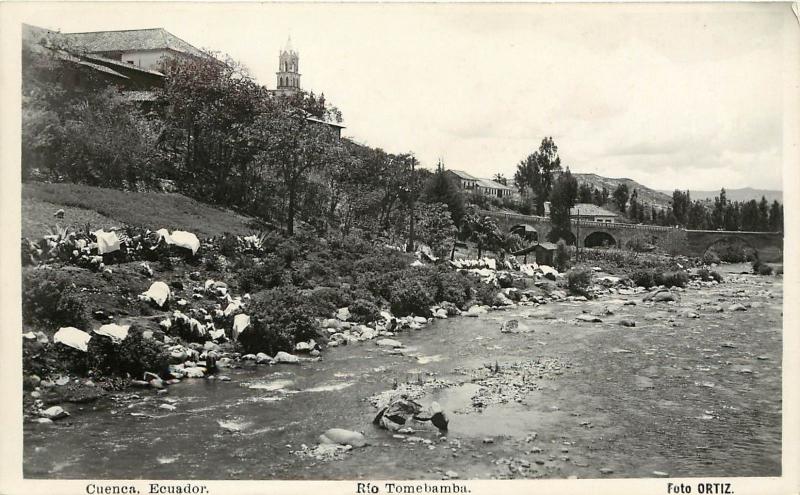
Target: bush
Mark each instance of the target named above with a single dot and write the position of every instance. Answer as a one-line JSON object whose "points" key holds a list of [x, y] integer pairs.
{"points": [[484, 293], [228, 245], [410, 296], [715, 275], [561, 257], [266, 274], [280, 318], [761, 268], [364, 311], [49, 298], [674, 279], [454, 287], [710, 257], [135, 355], [578, 281], [643, 278]]}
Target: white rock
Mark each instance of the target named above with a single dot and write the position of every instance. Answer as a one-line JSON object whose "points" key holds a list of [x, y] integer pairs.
{"points": [[117, 333], [262, 358], [389, 343], [55, 412], [72, 337], [240, 323], [107, 242], [343, 314], [343, 437], [194, 372], [158, 292], [285, 357], [186, 240]]}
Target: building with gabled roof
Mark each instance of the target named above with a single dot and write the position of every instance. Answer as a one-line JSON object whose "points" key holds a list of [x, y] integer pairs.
{"points": [[141, 48], [487, 187], [590, 211]]}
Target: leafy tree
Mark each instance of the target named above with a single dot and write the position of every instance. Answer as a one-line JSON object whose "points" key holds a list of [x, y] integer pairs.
{"points": [[635, 209], [621, 197], [750, 218], [535, 174], [290, 146], [500, 178], [562, 199], [480, 229], [440, 188], [681, 202], [435, 228], [718, 214]]}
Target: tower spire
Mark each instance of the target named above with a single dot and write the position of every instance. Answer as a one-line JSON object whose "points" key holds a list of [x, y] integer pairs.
{"points": [[288, 75]]}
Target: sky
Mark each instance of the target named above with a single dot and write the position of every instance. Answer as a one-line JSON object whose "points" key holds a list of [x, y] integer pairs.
{"points": [[670, 95]]}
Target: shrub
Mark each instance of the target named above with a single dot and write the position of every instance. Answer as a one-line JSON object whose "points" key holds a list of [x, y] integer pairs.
{"points": [[323, 301], [561, 257], [228, 245], [280, 318], [761, 268], [410, 296], [135, 355], [266, 274], [49, 298], [715, 275], [675, 279], [703, 274], [710, 257], [454, 287], [364, 311], [643, 278], [484, 293], [578, 281]]}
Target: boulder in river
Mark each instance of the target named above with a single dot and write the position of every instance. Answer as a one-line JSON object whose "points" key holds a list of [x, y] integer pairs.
{"points": [[510, 326], [285, 357], [589, 318], [343, 437], [395, 415], [737, 307], [389, 343], [54, 412]]}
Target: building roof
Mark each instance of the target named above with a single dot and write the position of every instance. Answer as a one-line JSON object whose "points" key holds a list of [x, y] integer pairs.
{"points": [[130, 40], [117, 63], [493, 184], [546, 245], [462, 175], [590, 210]]}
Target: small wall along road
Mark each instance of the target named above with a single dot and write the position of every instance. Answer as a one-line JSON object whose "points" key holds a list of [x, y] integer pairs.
{"points": [[674, 240]]}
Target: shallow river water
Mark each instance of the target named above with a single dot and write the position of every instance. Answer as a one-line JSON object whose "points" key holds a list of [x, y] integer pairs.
{"points": [[688, 397]]}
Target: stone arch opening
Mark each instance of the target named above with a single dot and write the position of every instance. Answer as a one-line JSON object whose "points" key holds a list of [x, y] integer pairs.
{"points": [[599, 239], [733, 249], [526, 232]]}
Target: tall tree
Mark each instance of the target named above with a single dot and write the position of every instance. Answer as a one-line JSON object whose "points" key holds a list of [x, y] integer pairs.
{"points": [[562, 199], [763, 215], [621, 197], [718, 214], [585, 193], [681, 202], [750, 219], [501, 179], [440, 188], [776, 217], [635, 210], [535, 174]]}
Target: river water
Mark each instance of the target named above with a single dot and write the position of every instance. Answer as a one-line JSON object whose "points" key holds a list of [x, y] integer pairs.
{"points": [[689, 397]]}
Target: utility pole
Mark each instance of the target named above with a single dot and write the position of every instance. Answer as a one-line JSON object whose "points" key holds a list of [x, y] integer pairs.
{"points": [[410, 246]]}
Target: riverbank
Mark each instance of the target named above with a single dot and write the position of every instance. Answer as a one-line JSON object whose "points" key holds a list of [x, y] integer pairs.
{"points": [[599, 396]]}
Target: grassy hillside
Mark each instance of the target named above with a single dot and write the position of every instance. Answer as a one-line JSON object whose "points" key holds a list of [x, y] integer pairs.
{"points": [[105, 208], [646, 195]]}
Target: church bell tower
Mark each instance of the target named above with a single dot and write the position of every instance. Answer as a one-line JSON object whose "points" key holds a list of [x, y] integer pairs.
{"points": [[288, 70]]}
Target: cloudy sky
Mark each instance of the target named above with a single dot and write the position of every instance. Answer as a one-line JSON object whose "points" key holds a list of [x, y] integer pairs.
{"points": [[668, 95]]}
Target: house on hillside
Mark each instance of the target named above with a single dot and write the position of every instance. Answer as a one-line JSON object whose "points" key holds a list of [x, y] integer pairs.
{"points": [[487, 187], [592, 212], [141, 48]]}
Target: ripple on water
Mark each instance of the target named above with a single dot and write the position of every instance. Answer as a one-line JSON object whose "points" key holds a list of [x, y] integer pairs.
{"points": [[268, 385], [329, 387], [235, 424]]}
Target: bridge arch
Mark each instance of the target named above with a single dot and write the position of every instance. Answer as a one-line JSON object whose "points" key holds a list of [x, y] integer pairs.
{"points": [[599, 238], [729, 243]]}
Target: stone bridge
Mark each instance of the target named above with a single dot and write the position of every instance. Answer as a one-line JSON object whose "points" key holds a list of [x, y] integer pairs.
{"points": [[674, 240]]}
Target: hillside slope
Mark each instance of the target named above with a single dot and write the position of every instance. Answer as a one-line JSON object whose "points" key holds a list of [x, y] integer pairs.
{"points": [[743, 194], [646, 195], [106, 208]]}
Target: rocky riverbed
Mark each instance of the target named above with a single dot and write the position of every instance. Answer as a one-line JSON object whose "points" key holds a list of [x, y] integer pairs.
{"points": [[617, 386]]}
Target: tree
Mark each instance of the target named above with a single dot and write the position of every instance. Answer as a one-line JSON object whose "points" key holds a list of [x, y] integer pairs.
{"points": [[585, 193], [435, 228], [621, 197], [718, 214], [697, 217], [562, 199], [776, 217], [750, 219], [480, 229], [440, 188], [681, 203], [763, 215], [501, 179], [289, 145], [535, 174], [635, 212]]}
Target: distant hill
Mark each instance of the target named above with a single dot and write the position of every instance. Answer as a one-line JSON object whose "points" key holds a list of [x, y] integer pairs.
{"points": [[744, 194], [646, 195]]}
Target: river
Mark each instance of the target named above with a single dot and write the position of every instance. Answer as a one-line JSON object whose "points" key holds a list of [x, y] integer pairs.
{"points": [[675, 394]]}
